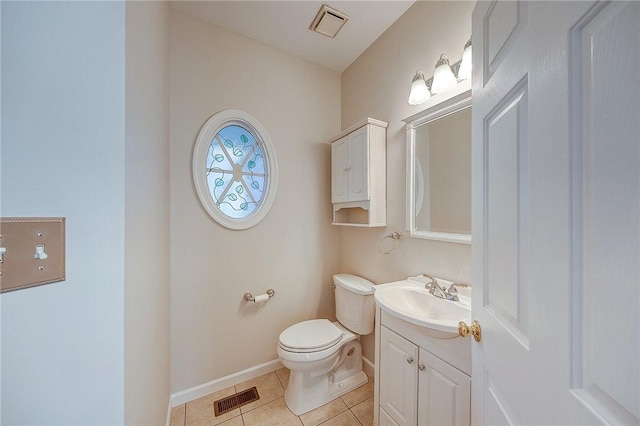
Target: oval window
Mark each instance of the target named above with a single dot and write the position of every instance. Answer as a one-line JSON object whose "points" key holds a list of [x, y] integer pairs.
{"points": [[235, 169]]}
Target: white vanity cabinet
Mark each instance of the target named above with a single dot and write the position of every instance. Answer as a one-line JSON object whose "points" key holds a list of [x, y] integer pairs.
{"points": [[420, 380], [399, 377], [358, 175]]}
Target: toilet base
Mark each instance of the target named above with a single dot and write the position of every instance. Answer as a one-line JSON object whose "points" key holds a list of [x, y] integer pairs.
{"points": [[308, 390], [347, 385], [324, 393]]}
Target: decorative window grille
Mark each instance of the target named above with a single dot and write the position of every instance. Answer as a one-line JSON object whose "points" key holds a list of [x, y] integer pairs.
{"points": [[235, 169]]}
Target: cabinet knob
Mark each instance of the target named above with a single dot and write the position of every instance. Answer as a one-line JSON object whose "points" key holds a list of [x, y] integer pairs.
{"points": [[409, 360], [421, 367]]}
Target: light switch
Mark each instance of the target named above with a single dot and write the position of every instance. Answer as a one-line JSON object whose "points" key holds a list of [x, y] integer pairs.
{"points": [[34, 251], [40, 253]]}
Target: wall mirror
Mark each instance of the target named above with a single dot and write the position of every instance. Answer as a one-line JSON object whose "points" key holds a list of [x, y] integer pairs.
{"points": [[439, 171]]}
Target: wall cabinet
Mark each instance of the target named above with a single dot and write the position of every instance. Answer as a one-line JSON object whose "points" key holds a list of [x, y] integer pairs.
{"points": [[350, 167], [416, 386], [358, 175]]}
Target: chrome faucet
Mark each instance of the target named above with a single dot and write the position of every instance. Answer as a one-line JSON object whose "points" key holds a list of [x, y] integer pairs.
{"points": [[452, 291], [437, 290], [434, 288]]}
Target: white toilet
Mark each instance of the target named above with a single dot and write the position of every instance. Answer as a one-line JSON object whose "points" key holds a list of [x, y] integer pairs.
{"points": [[325, 358]]}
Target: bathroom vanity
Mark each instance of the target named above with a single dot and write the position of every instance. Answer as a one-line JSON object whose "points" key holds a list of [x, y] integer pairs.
{"points": [[423, 374]]}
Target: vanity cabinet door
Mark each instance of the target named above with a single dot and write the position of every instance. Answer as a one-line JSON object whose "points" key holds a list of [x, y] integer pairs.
{"points": [[386, 419], [444, 393], [398, 377]]}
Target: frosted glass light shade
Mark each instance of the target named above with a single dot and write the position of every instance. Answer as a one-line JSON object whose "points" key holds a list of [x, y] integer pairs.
{"points": [[465, 66], [419, 92], [443, 78]]}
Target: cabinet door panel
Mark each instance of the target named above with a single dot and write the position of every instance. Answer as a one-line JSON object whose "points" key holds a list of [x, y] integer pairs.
{"points": [[398, 377], [444, 393], [339, 170], [386, 419], [359, 165]]}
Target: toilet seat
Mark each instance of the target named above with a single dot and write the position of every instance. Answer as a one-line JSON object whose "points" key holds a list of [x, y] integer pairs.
{"points": [[310, 336]]}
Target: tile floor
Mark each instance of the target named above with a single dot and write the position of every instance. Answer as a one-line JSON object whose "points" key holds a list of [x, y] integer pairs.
{"points": [[352, 409]]}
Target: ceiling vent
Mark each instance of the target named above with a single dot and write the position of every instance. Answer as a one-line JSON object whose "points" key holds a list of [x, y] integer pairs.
{"points": [[328, 21]]}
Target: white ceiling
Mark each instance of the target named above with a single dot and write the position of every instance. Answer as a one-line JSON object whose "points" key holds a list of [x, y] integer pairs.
{"points": [[285, 25]]}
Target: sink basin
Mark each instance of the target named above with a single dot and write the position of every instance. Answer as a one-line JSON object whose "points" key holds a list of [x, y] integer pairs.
{"points": [[412, 302]]}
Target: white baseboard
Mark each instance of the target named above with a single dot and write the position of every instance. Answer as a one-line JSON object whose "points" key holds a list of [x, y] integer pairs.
{"points": [[222, 383], [169, 413]]}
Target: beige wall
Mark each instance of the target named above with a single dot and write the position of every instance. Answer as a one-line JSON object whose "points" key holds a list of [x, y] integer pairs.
{"points": [[294, 249], [377, 85], [146, 274]]}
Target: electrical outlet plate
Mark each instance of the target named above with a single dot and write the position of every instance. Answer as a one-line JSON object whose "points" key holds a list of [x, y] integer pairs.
{"points": [[25, 265]]}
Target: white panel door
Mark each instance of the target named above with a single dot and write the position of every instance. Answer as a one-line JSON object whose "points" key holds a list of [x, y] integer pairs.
{"points": [[556, 212], [398, 377]]}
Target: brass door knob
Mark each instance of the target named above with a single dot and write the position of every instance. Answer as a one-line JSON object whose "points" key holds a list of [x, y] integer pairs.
{"points": [[476, 331]]}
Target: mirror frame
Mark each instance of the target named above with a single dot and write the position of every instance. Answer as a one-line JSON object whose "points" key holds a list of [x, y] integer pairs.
{"points": [[442, 109]]}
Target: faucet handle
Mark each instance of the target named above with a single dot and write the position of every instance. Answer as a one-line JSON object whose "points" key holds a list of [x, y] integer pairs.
{"points": [[433, 280], [453, 288]]}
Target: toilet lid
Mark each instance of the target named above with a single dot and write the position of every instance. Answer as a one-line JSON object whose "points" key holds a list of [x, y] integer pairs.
{"points": [[312, 335]]}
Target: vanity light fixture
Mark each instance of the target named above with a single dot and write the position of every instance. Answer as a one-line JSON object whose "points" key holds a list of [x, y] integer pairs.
{"points": [[443, 78], [419, 92], [465, 65]]}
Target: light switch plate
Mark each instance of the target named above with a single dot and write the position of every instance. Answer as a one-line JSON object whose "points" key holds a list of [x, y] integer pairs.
{"points": [[23, 265]]}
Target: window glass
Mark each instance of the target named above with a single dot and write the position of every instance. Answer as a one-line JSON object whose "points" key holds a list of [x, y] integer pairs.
{"points": [[235, 161]]}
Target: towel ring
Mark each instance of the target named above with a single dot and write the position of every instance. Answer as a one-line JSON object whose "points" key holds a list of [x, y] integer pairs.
{"points": [[395, 236]]}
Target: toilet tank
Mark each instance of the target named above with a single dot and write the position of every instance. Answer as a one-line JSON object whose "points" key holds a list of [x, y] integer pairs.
{"points": [[355, 307]]}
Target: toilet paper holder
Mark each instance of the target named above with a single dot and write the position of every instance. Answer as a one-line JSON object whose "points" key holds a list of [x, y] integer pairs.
{"points": [[250, 298]]}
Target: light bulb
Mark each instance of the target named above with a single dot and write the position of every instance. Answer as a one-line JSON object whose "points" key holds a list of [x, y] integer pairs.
{"points": [[419, 92], [443, 78], [465, 66]]}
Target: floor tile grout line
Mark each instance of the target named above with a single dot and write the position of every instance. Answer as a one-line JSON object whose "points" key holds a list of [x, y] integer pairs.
{"points": [[342, 412]]}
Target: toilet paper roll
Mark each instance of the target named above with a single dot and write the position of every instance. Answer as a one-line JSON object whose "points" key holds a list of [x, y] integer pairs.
{"points": [[261, 298]]}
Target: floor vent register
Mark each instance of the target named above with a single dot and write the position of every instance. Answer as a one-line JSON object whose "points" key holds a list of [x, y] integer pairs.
{"points": [[234, 401]]}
